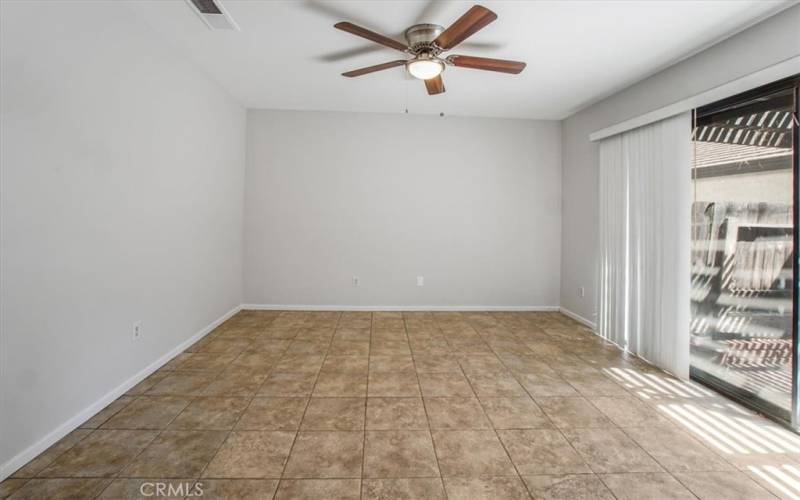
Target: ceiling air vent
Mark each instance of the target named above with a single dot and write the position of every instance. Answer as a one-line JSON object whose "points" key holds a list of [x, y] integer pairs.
{"points": [[213, 14]]}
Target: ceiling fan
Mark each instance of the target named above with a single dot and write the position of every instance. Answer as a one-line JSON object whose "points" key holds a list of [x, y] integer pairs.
{"points": [[426, 42]]}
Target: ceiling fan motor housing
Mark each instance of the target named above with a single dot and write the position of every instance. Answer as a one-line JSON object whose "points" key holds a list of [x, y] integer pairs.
{"points": [[420, 39], [425, 43]]}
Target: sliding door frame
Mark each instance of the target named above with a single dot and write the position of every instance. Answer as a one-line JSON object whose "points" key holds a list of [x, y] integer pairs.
{"points": [[789, 418], [795, 422]]}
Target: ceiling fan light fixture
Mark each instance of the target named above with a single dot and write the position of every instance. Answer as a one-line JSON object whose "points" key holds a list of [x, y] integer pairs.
{"points": [[425, 68]]}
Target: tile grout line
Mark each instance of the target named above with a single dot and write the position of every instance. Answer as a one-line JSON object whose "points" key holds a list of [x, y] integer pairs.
{"points": [[425, 406], [89, 433], [193, 398], [246, 408], [561, 432], [308, 403], [133, 459], [572, 446], [257, 391], [36, 476], [629, 393], [366, 407], [494, 430], [672, 424], [599, 476]]}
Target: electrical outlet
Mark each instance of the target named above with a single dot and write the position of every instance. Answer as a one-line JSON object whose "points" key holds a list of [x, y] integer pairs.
{"points": [[420, 280], [581, 292], [137, 330], [356, 281]]}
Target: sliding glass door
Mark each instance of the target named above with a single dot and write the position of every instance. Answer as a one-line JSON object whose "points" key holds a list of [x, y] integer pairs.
{"points": [[743, 334]]}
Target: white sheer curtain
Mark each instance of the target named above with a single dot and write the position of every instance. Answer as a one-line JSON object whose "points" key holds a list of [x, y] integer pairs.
{"points": [[645, 225]]}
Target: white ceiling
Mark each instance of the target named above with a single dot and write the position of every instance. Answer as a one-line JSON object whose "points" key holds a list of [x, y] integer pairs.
{"points": [[577, 51]]}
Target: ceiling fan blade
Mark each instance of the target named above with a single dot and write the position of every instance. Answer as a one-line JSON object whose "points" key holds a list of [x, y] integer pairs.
{"points": [[482, 45], [467, 25], [340, 55], [370, 35], [330, 10], [435, 85], [372, 69], [501, 65]]}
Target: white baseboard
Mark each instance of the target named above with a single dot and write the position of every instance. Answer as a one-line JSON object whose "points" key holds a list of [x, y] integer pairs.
{"points": [[577, 317], [308, 307], [62, 430]]}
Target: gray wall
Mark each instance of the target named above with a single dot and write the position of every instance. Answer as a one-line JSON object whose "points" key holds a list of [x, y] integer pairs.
{"points": [[122, 174], [471, 204], [769, 42]]}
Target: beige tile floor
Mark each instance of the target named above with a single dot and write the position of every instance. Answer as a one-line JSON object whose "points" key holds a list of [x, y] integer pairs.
{"points": [[329, 405]]}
